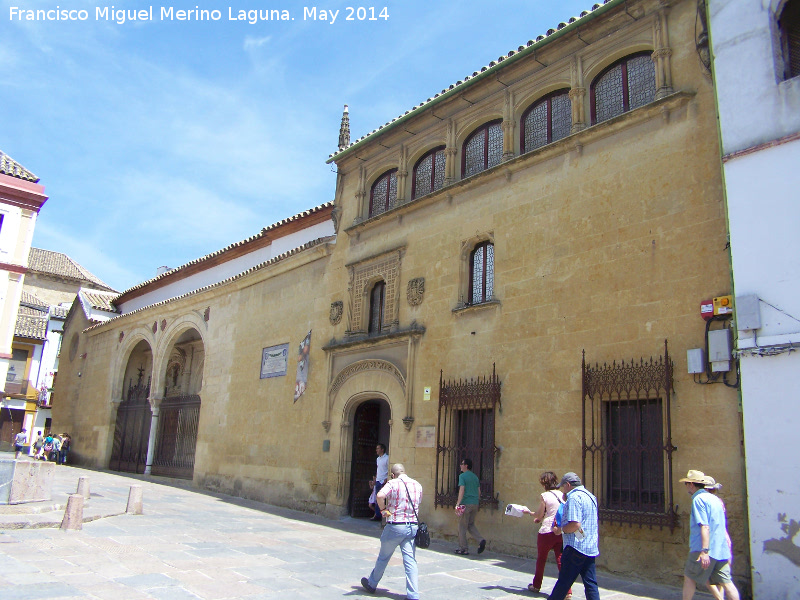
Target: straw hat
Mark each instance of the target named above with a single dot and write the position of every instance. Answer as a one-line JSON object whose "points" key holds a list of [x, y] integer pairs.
{"points": [[694, 477], [711, 484]]}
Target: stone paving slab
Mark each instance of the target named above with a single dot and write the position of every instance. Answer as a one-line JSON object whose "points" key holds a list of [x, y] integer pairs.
{"points": [[194, 545]]}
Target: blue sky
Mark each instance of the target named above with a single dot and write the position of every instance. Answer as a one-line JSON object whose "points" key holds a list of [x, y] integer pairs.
{"points": [[159, 142]]}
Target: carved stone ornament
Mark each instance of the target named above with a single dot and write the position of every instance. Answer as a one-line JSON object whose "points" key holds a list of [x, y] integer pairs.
{"points": [[337, 308], [163, 324], [121, 335], [155, 326], [415, 291], [207, 314]]}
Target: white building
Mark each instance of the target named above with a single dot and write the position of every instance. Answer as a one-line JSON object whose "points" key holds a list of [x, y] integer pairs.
{"points": [[755, 46]]}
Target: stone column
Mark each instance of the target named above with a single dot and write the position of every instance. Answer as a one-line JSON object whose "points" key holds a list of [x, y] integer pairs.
{"points": [[402, 176], [508, 126], [661, 55], [577, 96], [155, 404], [450, 153]]}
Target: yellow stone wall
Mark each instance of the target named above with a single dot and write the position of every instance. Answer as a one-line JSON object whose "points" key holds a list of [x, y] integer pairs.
{"points": [[605, 241]]}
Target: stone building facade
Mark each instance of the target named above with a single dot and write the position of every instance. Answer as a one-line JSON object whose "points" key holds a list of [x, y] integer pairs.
{"points": [[515, 277]]}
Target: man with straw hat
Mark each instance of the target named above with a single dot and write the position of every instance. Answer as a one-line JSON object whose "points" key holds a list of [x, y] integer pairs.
{"points": [[709, 554]]}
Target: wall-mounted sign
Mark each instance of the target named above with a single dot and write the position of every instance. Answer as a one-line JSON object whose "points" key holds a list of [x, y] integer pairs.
{"points": [[274, 361], [426, 394], [426, 436]]}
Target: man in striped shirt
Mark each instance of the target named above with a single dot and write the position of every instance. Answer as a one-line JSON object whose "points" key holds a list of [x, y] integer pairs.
{"points": [[579, 526], [398, 501]]}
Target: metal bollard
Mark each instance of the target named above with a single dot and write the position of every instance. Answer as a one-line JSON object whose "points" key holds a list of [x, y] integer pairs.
{"points": [[73, 515], [134, 500], [83, 487]]}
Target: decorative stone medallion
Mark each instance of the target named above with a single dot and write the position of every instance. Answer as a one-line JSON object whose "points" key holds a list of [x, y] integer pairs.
{"points": [[337, 308], [415, 291]]}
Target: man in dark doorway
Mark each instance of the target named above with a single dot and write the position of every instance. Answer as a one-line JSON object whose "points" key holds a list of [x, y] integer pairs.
{"points": [[381, 475], [469, 497]]}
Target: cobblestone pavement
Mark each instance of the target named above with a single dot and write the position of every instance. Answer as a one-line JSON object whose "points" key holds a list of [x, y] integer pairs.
{"points": [[190, 544]]}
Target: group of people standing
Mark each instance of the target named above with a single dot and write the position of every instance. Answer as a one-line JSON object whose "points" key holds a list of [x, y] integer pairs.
{"points": [[46, 446]]}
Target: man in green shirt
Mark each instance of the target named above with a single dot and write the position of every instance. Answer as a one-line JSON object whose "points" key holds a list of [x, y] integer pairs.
{"points": [[469, 496]]}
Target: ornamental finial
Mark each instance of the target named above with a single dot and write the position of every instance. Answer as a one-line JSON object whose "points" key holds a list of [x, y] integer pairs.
{"points": [[344, 130]]}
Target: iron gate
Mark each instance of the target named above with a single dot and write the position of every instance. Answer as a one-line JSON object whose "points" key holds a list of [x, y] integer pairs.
{"points": [[129, 452], [177, 437]]}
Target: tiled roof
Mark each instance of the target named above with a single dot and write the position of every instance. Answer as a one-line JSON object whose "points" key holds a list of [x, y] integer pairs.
{"points": [[61, 265], [253, 269], [59, 312], [207, 257], [489, 69], [31, 325], [31, 300], [99, 300], [10, 167]]}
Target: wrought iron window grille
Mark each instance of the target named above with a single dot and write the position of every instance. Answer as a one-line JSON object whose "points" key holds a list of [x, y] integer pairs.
{"points": [[627, 440], [466, 430]]}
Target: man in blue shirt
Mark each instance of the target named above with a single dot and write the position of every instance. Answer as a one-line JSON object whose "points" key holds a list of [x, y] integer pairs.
{"points": [[709, 554], [579, 527]]}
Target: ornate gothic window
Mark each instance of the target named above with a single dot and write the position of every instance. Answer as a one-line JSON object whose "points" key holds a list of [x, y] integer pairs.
{"points": [[625, 85], [483, 149], [429, 173], [481, 273], [789, 25], [547, 121], [384, 193], [377, 300]]}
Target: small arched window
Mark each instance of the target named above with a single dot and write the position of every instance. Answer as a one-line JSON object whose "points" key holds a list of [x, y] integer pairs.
{"points": [[625, 85], [481, 273], [547, 121], [483, 149], [384, 193], [429, 173], [377, 299], [789, 25]]}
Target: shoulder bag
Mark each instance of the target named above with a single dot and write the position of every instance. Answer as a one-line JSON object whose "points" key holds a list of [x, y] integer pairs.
{"points": [[423, 537]]}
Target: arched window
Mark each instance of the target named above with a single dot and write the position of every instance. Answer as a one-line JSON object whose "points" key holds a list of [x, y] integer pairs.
{"points": [[483, 149], [481, 273], [384, 193], [547, 121], [789, 25], [625, 85], [377, 299], [429, 173]]}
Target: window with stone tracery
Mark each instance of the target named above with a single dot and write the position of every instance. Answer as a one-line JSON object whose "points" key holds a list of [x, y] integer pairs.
{"points": [[383, 195], [429, 173], [627, 84], [376, 306], [483, 149], [546, 121], [481, 273]]}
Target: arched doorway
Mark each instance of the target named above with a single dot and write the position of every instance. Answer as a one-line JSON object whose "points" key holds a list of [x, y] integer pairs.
{"points": [[370, 427], [132, 430], [179, 411]]}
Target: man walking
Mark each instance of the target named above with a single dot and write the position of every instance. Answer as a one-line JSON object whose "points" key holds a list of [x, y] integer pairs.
{"points": [[709, 553], [399, 501], [579, 528], [19, 443], [381, 475], [469, 497]]}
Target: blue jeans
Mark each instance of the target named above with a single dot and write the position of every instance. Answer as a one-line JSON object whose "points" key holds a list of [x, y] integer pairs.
{"points": [[392, 537], [573, 563]]}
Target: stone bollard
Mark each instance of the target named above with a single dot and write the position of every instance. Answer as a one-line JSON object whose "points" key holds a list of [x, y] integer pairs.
{"points": [[73, 515], [83, 487], [134, 500]]}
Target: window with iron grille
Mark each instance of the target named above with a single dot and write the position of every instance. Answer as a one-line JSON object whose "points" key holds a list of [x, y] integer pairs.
{"points": [[483, 149], [466, 430], [481, 273], [429, 173], [376, 304], [384, 193], [625, 85], [627, 440], [547, 121], [789, 25]]}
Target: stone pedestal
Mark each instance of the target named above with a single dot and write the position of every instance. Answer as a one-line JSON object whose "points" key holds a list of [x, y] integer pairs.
{"points": [[25, 481]]}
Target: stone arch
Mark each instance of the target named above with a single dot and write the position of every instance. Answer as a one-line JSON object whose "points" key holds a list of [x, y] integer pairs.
{"points": [[165, 346], [593, 69], [120, 363]]}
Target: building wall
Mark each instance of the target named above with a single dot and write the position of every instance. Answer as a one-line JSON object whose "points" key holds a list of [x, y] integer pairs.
{"points": [[605, 242], [759, 120]]}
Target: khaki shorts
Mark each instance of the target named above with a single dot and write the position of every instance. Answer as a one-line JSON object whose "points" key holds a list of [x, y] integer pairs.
{"points": [[718, 572]]}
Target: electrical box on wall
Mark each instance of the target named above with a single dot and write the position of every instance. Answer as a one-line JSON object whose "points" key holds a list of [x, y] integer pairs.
{"points": [[723, 305], [707, 309], [695, 360], [719, 349], [748, 313]]}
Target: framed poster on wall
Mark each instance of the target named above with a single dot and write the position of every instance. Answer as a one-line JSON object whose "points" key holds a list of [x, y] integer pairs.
{"points": [[274, 361]]}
